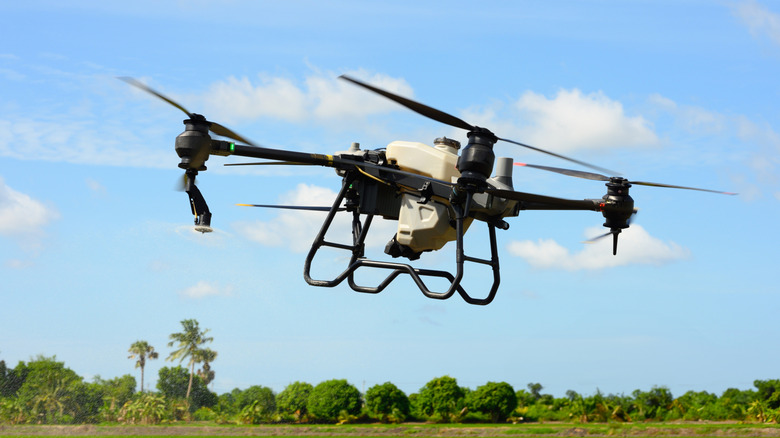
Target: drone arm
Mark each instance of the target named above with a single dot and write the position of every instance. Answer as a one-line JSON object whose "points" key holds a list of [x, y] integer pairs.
{"points": [[570, 205], [530, 201], [227, 148]]}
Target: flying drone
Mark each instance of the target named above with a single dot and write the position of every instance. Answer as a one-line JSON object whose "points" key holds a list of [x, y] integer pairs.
{"points": [[434, 193]]}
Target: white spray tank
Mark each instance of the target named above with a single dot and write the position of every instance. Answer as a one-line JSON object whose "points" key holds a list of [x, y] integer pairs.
{"points": [[424, 227]]}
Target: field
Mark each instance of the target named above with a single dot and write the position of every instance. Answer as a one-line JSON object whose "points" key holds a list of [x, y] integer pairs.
{"points": [[697, 429]]}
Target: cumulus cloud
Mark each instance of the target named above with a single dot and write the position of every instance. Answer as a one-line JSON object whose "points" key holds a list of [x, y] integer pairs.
{"points": [[72, 141], [20, 214], [321, 97], [572, 120], [636, 247], [205, 289], [759, 20]]}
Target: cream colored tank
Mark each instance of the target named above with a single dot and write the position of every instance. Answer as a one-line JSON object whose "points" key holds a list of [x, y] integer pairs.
{"points": [[425, 227], [436, 162]]}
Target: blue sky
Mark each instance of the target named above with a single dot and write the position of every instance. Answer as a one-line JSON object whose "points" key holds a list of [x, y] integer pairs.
{"points": [[97, 248]]}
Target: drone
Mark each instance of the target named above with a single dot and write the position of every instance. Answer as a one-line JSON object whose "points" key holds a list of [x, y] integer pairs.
{"points": [[434, 193]]}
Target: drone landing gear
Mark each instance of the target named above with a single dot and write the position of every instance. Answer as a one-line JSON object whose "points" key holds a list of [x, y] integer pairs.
{"points": [[358, 259], [197, 203]]}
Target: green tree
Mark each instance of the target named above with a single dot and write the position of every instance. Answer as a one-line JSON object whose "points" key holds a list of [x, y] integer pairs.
{"points": [[768, 392], [332, 398], [654, 404], [261, 396], [256, 404], [141, 350], [174, 383], [495, 399], [524, 398], [293, 399], [695, 405], [12, 379], [12, 411], [536, 390], [48, 391], [116, 392], [205, 356], [188, 342], [441, 398], [387, 403], [735, 402]]}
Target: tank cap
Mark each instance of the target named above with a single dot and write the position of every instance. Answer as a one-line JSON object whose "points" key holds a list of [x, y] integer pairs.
{"points": [[444, 141]]}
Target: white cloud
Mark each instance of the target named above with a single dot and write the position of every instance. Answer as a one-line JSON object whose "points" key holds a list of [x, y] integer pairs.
{"points": [[759, 20], [96, 187], [570, 121], [754, 144], [322, 97], [78, 142], [205, 289], [20, 214], [635, 247], [296, 229]]}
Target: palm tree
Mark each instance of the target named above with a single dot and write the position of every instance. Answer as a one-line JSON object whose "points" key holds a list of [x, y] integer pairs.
{"points": [[189, 342], [142, 350], [205, 356]]}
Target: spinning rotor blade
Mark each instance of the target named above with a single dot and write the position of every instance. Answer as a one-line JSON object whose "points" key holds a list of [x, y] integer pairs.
{"points": [[599, 237], [576, 173], [181, 183], [614, 233], [291, 207], [424, 110], [214, 127], [448, 119], [599, 177], [136, 83], [642, 183], [271, 163]]}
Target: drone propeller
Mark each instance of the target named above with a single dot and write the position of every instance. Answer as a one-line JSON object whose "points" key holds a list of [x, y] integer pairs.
{"points": [[599, 177], [614, 232], [270, 163], [214, 127], [448, 119], [292, 207]]}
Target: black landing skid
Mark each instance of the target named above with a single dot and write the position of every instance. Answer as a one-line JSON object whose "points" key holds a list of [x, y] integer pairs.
{"points": [[358, 259]]}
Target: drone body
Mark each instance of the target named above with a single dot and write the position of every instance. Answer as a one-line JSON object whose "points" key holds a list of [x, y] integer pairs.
{"points": [[435, 193]]}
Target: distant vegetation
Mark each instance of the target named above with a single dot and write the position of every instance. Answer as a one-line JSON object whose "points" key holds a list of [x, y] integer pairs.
{"points": [[45, 391]]}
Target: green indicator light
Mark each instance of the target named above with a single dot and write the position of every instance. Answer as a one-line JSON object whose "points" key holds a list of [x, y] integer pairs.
{"points": [[232, 147]]}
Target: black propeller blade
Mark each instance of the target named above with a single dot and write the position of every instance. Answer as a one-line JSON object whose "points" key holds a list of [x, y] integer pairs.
{"points": [[291, 207], [419, 108], [270, 163], [448, 119], [599, 177], [214, 127]]}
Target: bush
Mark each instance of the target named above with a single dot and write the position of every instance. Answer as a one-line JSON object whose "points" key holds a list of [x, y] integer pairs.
{"points": [[498, 400], [329, 398], [441, 400], [293, 399], [261, 398], [387, 403]]}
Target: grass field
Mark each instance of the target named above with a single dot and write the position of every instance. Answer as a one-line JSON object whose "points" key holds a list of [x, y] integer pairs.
{"points": [[407, 430]]}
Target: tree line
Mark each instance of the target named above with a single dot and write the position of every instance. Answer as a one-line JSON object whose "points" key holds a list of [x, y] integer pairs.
{"points": [[45, 391]]}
